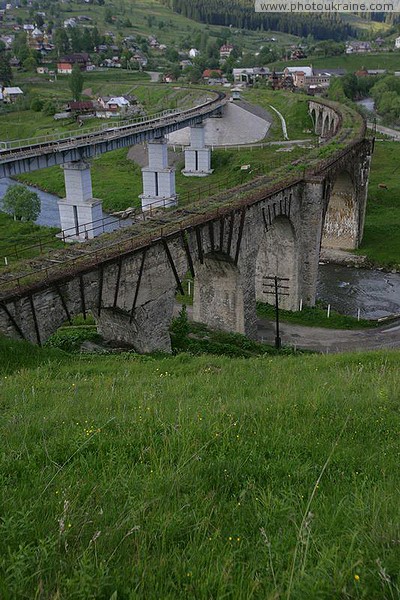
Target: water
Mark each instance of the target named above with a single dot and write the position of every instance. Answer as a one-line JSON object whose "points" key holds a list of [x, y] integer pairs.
{"points": [[367, 103], [375, 293], [49, 215]]}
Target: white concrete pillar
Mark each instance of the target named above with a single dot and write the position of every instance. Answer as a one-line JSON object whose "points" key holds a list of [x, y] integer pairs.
{"points": [[80, 214], [158, 178], [197, 156]]}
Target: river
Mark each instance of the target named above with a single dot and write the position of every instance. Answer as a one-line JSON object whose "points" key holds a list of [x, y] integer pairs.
{"points": [[367, 103], [347, 289], [49, 215]]}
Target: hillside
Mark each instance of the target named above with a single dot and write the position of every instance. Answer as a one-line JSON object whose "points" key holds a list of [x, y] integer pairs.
{"points": [[205, 477]]}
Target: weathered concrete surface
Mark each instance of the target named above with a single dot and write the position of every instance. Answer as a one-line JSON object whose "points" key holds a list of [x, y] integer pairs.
{"points": [[218, 294], [237, 126], [326, 120]]}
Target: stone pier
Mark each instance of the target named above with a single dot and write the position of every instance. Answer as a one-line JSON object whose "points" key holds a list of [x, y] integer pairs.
{"points": [[158, 178], [197, 156], [80, 214]]}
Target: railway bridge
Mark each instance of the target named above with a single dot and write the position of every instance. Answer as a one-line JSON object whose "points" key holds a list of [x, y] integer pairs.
{"points": [[231, 244]]}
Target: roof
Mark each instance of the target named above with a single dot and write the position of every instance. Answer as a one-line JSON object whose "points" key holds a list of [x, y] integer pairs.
{"points": [[81, 105], [207, 72], [77, 57], [306, 70], [119, 100], [12, 90]]}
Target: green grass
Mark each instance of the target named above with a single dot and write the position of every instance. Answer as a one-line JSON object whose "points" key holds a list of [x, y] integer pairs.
{"points": [[351, 62], [202, 477], [381, 242], [15, 235], [293, 107], [118, 181], [314, 317]]}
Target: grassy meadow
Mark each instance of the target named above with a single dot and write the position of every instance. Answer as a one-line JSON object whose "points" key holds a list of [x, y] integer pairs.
{"points": [[381, 242], [198, 477], [118, 180], [351, 62]]}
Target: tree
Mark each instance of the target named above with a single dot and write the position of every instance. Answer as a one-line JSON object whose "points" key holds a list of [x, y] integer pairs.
{"points": [[76, 82], [20, 202], [30, 63], [5, 70], [61, 41]]}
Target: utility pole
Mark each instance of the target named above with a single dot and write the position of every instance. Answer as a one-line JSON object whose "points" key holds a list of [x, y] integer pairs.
{"points": [[273, 285]]}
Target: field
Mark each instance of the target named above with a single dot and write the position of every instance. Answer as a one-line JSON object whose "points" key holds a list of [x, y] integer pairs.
{"points": [[381, 242], [197, 477], [118, 181], [149, 17], [351, 62]]}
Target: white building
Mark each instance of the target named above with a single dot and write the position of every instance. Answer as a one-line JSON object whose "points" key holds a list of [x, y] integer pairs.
{"points": [[10, 94], [397, 43], [70, 23], [193, 52]]}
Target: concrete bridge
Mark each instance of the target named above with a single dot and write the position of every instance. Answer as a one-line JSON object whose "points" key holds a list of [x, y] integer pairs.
{"points": [[251, 233], [79, 208]]}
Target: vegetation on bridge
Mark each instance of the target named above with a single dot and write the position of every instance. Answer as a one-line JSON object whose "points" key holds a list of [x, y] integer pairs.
{"points": [[207, 477]]}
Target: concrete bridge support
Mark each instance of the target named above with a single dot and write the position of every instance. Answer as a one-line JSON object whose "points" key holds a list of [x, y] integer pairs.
{"points": [[158, 178], [197, 156], [80, 213], [218, 294]]}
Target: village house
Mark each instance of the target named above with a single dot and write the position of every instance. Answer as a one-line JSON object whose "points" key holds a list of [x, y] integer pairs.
{"points": [[111, 63], [207, 73], [225, 51], [9, 95], [250, 75], [397, 43], [169, 78], [70, 23], [15, 62], [7, 40], [66, 64], [153, 42], [114, 106], [358, 47], [193, 52], [304, 77]]}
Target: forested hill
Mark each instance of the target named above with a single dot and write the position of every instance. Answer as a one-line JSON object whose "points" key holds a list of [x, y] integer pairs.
{"points": [[241, 14]]}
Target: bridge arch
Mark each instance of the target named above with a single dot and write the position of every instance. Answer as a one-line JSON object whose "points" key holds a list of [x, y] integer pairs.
{"points": [[341, 214], [326, 126], [218, 298], [278, 256]]}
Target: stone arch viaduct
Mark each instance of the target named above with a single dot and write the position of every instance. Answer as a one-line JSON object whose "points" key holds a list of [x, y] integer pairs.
{"points": [[230, 248]]}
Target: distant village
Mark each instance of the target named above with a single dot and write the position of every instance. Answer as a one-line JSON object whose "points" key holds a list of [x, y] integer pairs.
{"points": [[54, 52]]}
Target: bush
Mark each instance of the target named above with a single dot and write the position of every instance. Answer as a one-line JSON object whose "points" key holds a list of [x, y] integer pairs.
{"points": [[49, 108], [36, 104], [180, 331]]}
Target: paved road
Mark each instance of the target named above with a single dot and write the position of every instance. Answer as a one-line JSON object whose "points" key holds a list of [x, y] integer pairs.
{"points": [[393, 133], [332, 340], [325, 340]]}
